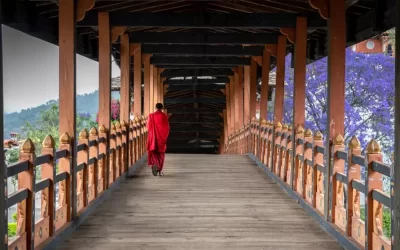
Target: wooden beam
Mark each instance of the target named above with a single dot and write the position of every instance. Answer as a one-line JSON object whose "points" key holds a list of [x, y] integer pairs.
{"points": [[201, 38], [193, 110], [203, 20], [201, 72], [280, 80], [198, 81], [192, 100], [198, 61], [265, 85], [195, 129], [203, 50], [3, 170], [204, 87]]}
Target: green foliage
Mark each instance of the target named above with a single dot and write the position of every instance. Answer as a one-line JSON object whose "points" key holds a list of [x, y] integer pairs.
{"points": [[12, 229], [387, 223], [14, 216]]}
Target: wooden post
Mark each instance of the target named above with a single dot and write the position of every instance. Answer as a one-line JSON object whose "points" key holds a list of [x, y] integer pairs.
{"points": [[156, 86], [232, 103], [264, 86], [125, 75], [93, 169], [225, 124], [395, 180], [253, 87], [146, 97], [66, 200], [246, 95], [137, 84], [239, 112], [280, 79], [82, 176], [151, 89], [229, 122]]}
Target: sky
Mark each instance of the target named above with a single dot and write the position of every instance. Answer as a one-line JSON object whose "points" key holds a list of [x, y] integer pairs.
{"points": [[30, 71]]}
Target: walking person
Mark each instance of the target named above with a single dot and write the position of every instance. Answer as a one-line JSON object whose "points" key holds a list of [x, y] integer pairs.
{"points": [[158, 131]]}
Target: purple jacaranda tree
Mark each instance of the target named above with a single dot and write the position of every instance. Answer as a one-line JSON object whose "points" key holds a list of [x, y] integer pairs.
{"points": [[369, 101]]}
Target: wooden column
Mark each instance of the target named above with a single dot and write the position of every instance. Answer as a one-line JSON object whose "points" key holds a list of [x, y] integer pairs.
{"points": [[280, 79], [232, 103], [146, 78], [253, 88], [225, 117], [151, 92], [156, 86], [104, 71], [336, 85], [125, 73], [239, 112], [229, 121], [246, 95], [395, 182], [137, 81], [265, 86], [300, 61], [67, 86]]}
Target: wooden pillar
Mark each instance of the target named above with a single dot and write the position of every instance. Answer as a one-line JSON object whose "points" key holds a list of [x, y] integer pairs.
{"points": [[137, 82], [151, 91], [229, 121], [156, 85], [300, 61], [265, 86], [246, 95], [239, 112], [395, 182], [225, 117], [280, 79], [232, 103], [146, 78], [336, 85], [125, 73], [253, 88], [3, 170], [67, 86]]}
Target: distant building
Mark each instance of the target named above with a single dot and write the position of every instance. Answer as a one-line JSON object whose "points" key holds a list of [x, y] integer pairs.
{"points": [[379, 44], [12, 142]]}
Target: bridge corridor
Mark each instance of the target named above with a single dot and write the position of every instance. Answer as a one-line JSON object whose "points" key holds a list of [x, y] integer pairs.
{"points": [[203, 202]]}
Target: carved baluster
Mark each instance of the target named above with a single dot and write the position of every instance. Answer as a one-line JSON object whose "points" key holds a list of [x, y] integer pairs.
{"points": [[82, 176], [112, 154], [130, 149], [95, 173], [277, 148], [270, 145], [338, 211], [103, 161], [124, 147], [288, 166], [64, 214], [307, 169], [282, 157], [298, 164], [355, 225], [319, 176], [48, 204], [118, 150]]}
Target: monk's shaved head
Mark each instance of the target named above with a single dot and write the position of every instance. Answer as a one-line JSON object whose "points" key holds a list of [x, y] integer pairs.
{"points": [[159, 106]]}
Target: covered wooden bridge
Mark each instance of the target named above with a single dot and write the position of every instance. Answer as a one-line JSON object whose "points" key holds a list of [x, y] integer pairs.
{"points": [[262, 184]]}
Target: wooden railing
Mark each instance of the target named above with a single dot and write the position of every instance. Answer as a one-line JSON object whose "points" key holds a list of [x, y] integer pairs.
{"points": [[79, 185], [308, 177]]}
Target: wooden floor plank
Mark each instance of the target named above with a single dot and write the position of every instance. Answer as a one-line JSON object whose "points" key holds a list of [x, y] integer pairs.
{"points": [[203, 202]]}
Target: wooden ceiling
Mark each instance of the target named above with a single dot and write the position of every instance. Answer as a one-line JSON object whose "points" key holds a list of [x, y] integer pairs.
{"points": [[199, 128]]}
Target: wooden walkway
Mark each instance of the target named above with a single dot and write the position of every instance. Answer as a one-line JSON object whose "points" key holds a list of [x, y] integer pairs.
{"points": [[203, 202]]}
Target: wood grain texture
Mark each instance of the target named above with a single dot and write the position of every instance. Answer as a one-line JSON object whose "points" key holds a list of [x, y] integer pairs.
{"points": [[203, 202]]}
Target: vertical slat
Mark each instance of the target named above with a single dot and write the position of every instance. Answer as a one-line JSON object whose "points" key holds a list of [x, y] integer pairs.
{"points": [[280, 79], [82, 176]]}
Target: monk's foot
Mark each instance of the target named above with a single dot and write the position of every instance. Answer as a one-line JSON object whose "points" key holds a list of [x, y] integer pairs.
{"points": [[154, 170], [161, 173]]}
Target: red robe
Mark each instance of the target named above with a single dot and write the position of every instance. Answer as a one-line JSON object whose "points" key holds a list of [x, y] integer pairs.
{"points": [[158, 131]]}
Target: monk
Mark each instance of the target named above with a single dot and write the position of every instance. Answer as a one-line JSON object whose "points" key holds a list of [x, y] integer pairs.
{"points": [[158, 131]]}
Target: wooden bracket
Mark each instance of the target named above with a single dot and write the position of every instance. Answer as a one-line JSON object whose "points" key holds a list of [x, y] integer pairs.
{"points": [[134, 48], [290, 33], [146, 57], [116, 32], [258, 59], [235, 69], [272, 48], [322, 6], [82, 7]]}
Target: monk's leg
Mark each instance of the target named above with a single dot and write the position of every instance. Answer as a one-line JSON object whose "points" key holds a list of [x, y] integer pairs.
{"points": [[152, 161], [161, 158]]}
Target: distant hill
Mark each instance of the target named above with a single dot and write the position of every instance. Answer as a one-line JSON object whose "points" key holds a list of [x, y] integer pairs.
{"points": [[13, 122]]}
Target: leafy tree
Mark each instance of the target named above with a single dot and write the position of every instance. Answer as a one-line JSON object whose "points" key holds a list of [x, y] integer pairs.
{"points": [[115, 110], [12, 156]]}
